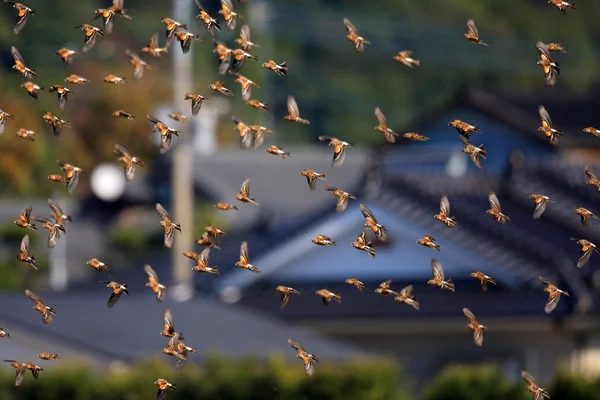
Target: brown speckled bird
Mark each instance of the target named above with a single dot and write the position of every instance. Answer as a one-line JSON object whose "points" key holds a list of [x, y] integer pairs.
{"points": [[327, 296], [277, 151], [382, 126], [185, 40], [39, 306], [587, 248], [91, 34], [259, 134], [77, 80], [169, 326], [202, 263], [166, 134], [444, 214], [218, 87], [371, 222], [24, 220], [495, 211], [172, 350], [97, 264], [562, 5], [117, 290], [107, 16], [476, 153], [225, 206], [339, 150], [72, 175], [129, 162], [209, 22], [554, 294], [405, 57], [123, 114], [294, 112], [532, 386], [62, 93], [48, 356], [279, 69], [246, 134], [20, 65], [384, 289], [483, 279], [322, 240], [25, 255], [592, 131], [57, 213], [67, 54], [171, 26], [585, 215], [475, 326], [464, 129], [363, 243], [286, 292], [258, 104], [472, 34], [307, 358], [215, 232], [228, 14], [114, 80], [239, 58], [438, 276], [428, 241], [23, 13], [163, 386], [169, 226], [117, 9], [196, 102], [179, 117], [246, 85], [415, 136], [244, 39], [593, 180], [312, 177], [205, 241], [342, 196], [54, 231], [32, 89], [154, 283], [405, 296], [551, 68], [26, 134], [356, 283], [557, 47], [353, 37], [20, 370], [244, 261], [244, 194], [57, 123], [152, 47], [139, 65], [540, 202]]}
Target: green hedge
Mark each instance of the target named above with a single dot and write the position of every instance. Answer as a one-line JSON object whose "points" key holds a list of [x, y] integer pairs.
{"points": [[242, 379]]}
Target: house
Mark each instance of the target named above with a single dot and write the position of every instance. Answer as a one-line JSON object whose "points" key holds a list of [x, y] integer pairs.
{"points": [[411, 179]]}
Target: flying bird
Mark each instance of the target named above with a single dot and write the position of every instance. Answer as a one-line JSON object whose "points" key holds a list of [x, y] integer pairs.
{"points": [[339, 149], [20, 65], [587, 248], [475, 326], [171, 26], [166, 134], [153, 48], [593, 180], [57, 123], [384, 289], [91, 34], [169, 226], [342, 196], [438, 279], [23, 13], [25, 255], [129, 162], [406, 296], [26, 134], [562, 6], [554, 294], [429, 241], [163, 386], [244, 194], [244, 39], [371, 222], [209, 22], [312, 177], [585, 215], [356, 283], [277, 151], [353, 37], [67, 54], [279, 69], [307, 358], [473, 151], [444, 215], [154, 283], [472, 34], [117, 290], [382, 126], [202, 263], [169, 326], [123, 114], [327, 296], [185, 40], [228, 14], [294, 112], [532, 386], [97, 264], [39, 306], [32, 90], [244, 261], [54, 230], [540, 201], [551, 68], [483, 279], [139, 65], [464, 129], [196, 102], [363, 243], [72, 175], [405, 57], [495, 211], [323, 240], [286, 292], [62, 93], [24, 220]]}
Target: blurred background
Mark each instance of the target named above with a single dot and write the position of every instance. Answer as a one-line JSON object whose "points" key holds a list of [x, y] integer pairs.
{"points": [[428, 353]]}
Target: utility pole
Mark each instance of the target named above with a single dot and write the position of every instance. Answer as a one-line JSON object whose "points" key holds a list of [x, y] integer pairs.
{"points": [[182, 165], [58, 274]]}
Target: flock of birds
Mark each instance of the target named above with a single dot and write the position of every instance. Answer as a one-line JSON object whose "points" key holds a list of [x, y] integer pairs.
{"points": [[231, 60]]}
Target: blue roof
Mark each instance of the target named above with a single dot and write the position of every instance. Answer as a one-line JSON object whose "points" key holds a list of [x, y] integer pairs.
{"points": [[404, 260]]}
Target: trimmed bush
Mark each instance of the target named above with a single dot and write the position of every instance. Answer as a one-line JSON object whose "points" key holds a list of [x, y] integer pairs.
{"points": [[484, 382], [242, 379]]}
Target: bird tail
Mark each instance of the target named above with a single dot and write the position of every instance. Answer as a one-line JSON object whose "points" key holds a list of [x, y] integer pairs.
{"points": [[437, 247], [253, 268], [417, 62], [482, 151], [572, 5], [370, 250], [177, 226], [215, 271], [337, 297], [450, 285], [303, 121], [286, 155]]}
